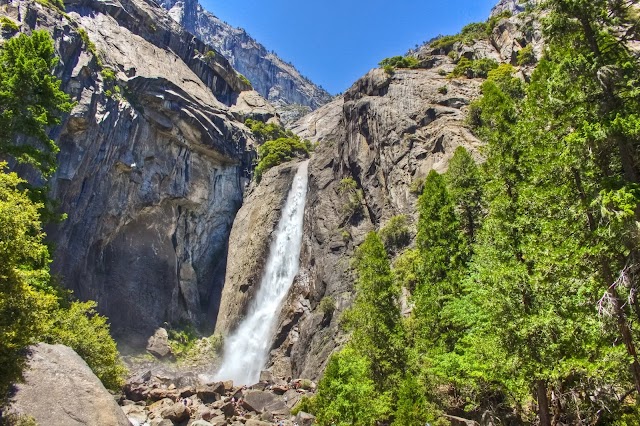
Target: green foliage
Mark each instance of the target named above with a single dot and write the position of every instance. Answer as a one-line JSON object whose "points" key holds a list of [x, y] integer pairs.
{"points": [[399, 62], [470, 33], [31, 308], [464, 184], [352, 196], [327, 305], [24, 261], [443, 90], [395, 234], [56, 4], [278, 145], [478, 68], [82, 329], [182, 339], [30, 100], [245, 80], [108, 75], [375, 315], [210, 55], [91, 47], [8, 25], [267, 132], [278, 151], [19, 420], [526, 56], [346, 394]]}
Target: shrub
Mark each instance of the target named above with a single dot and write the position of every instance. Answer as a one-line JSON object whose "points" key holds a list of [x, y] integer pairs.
{"points": [[81, 328], [473, 69], [182, 340], [245, 80], [108, 74], [327, 305], [353, 196], [8, 25], [267, 132], [399, 62], [417, 185], [443, 90], [278, 151], [395, 233], [406, 269], [210, 55], [526, 56]]}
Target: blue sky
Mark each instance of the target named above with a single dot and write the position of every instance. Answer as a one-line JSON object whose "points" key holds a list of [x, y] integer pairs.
{"points": [[334, 42]]}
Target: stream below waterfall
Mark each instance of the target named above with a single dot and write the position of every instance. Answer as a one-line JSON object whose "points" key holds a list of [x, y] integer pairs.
{"points": [[247, 349]]}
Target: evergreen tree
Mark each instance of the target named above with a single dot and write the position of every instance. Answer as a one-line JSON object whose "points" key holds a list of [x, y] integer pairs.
{"points": [[30, 100], [374, 319]]}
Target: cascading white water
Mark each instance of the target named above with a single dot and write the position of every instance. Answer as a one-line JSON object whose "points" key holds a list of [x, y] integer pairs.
{"points": [[246, 350]]}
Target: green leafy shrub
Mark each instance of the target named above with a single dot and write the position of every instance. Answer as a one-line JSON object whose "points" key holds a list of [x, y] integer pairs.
{"points": [[443, 90], [18, 420], [81, 328], [395, 233], [417, 185], [327, 305], [245, 80], [91, 47], [8, 25], [267, 132], [478, 68], [210, 55], [470, 33], [182, 340], [108, 74], [400, 62], [279, 151], [526, 56], [348, 189]]}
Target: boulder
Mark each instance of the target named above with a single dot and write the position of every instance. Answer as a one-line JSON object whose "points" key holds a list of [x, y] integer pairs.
{"points": [[260, 402], [210, 393], [59, 389], [158, 344], [161, 393], [135, 413], [203, 423], [254, 422], [305, 419], [266, 376], [178, 412]]}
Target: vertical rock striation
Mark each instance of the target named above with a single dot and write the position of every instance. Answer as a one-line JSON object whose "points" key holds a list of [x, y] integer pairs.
{"points": [[152, 164]]}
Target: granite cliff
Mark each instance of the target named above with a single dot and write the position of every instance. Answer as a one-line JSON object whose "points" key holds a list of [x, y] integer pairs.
{"points": [[152, 162], [385, 134], [278, 81]]}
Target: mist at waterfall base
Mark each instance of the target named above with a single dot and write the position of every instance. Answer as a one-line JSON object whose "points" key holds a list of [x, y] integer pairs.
{"points": [[247, 349]]}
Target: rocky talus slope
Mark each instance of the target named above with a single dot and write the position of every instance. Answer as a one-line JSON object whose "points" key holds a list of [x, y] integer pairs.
{"points": [[279, 82], [385, 134], [153, 161]]}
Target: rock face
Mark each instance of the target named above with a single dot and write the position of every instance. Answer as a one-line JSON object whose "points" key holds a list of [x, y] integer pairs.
{"points": [[249, 243], [59, 389], [153, 162], [386, 133], [276, 80]]}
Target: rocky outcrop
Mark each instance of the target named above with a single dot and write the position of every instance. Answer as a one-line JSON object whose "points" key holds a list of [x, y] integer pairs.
{"points": [[249, 243], [59, 389], [276, 80], [153, 162]]}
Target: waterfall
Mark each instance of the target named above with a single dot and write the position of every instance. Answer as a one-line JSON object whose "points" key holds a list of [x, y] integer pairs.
{"points": [[247, 349]]}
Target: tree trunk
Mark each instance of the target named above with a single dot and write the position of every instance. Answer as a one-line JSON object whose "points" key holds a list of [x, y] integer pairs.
{"points": [[543, 403]]}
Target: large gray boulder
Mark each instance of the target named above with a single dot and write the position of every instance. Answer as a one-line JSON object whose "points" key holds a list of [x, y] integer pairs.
{"points": [[59, 389]]}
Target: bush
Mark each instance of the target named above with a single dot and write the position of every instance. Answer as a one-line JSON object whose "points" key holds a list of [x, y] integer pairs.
{"points": [[395, 234], [210, 55], [526, 56], [278, 151], [443, 90], [108, 74], [81, 328], [327, 305], [399, 62], [8, 25], [473, 69], [267, 132], [353, 197], [245, 80]]}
